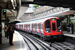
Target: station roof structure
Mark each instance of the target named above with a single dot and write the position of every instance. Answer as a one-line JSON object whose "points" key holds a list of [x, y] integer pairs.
{"points": [[16, 4]]}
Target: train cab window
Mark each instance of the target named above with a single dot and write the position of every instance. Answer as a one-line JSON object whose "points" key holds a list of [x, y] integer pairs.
{"points": [[47, 26], [53, 26], [59, 25]]}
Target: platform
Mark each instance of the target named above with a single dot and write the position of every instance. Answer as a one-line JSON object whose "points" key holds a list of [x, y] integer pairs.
{"points": [[18, 42], [68, 34]]}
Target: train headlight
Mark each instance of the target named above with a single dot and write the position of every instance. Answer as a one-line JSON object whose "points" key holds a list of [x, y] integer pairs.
{"points": [[47, 31], [60, 30]]}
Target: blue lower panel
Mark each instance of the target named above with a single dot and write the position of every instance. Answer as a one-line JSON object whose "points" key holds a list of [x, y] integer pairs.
{"points": [[42, 33], [38, 33], [34, 31], [31, 30]]}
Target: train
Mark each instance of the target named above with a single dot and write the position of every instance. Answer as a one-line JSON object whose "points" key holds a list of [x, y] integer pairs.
{"points": [[46, 28]]}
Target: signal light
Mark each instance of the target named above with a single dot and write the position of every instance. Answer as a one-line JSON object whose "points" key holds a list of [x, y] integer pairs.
{"points": [[4, 12]]}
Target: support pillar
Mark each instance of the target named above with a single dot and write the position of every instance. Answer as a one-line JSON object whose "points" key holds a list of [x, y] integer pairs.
{"points": [[6, 24], [68, 18], [0, 28]]}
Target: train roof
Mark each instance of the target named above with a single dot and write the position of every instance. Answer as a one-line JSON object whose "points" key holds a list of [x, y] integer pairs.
{"points": [[36, 20]]}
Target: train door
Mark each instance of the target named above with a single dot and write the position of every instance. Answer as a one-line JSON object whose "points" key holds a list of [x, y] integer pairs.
{"points": [[17, 26], [29, 27], [35, 28], [39, 29], [26, 27], [22, 26], [32, 27], [53, 26]]}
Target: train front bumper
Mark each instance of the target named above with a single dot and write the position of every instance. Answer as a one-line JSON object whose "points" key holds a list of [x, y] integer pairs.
{"points": [[54, 37]]}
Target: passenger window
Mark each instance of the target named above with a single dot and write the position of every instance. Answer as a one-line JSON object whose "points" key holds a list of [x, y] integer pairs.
{"points": [[36, 26], [33, 26], [47, 26], [41, 25]]}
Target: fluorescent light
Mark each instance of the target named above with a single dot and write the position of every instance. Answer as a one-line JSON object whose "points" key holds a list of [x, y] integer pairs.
{"points": [[11, 0]]}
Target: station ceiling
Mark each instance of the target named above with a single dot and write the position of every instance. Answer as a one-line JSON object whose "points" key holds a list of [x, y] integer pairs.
{"points": [[7, 4], [54, 3]]}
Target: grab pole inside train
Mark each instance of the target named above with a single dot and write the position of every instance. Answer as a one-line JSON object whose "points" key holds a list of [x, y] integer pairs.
{"points": [[0, 28]]}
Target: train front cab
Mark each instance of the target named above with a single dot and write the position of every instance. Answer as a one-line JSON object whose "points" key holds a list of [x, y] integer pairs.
{"points": [[52, 29]]}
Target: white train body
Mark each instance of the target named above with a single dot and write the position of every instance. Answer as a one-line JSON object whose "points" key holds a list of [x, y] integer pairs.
{"points": [[39, 27]]}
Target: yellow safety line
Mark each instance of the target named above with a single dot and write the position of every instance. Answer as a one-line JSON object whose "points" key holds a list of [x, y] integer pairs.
{"points": [[15, 38], [20, 43], [13, 47]]}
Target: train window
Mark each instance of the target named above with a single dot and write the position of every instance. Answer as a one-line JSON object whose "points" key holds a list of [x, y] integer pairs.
{"points": [[59, 25], [53, 26], [33, 26], [37, 26], [24, 26], [47, 26], [41, 25], [19, 25], [27, 25]]}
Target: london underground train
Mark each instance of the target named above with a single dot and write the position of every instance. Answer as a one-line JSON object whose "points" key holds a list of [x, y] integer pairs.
{"points": [[47, 28]]}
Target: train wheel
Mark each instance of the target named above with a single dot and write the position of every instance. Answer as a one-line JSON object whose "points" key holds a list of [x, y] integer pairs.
{"points": [[43, 38], [35, 35]]}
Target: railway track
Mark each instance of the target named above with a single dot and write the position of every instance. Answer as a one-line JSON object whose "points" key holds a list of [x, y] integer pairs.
{"points": [[35, 43]]}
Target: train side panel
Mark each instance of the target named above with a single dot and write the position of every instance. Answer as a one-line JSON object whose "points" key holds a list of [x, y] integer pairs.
{"points": [[46, 28]]}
